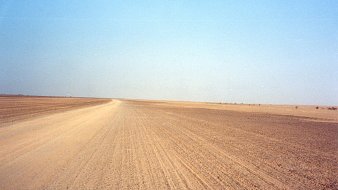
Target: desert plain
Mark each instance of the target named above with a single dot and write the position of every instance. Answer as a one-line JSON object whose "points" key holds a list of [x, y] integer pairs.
{"points": [[91, 143]]}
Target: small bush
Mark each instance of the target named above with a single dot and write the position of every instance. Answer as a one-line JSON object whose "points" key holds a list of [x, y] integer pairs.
{"points": [[332, 108]]}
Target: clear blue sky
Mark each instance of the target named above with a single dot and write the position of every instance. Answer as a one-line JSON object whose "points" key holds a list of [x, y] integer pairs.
{"points": [[282, 52]]}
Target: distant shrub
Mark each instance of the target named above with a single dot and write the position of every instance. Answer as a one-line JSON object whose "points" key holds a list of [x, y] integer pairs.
{"points": [[332, 108], [317, 108], [296, 107]]}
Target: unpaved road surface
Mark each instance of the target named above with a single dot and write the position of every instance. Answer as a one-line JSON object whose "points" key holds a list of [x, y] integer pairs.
{"points": [[17, 108], [146, 145]]}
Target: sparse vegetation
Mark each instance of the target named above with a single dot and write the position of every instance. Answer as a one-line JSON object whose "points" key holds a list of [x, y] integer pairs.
{"points": [[332, 108]]}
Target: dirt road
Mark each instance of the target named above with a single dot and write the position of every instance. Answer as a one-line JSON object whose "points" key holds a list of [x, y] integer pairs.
{"points": [[17, 108], [145, 145]]}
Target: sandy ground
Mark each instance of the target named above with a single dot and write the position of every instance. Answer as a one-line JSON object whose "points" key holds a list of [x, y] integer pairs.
{"points": [[17, 108], [152, 145]]}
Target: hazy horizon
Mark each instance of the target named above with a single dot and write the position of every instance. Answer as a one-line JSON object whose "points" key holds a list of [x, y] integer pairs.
{"points": [[278, 52]]}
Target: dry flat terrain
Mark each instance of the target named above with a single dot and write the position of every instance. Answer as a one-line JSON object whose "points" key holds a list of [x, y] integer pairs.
{"points": [[124, 144], [16, 108]]}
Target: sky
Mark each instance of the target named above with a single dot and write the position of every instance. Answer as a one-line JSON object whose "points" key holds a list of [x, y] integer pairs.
{"points": [[278, 52]]}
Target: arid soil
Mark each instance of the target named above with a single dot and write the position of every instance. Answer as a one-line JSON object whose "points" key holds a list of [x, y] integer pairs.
{"points": [[16, 108], [160, 145]]}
